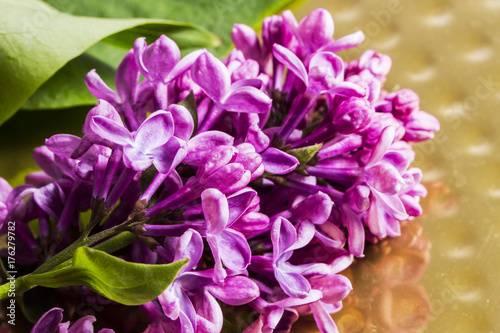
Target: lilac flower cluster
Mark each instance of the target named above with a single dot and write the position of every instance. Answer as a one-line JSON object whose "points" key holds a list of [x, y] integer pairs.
{"points": [[226, 183]]}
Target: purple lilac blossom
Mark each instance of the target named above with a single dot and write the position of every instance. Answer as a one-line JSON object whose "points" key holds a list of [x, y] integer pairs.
{"points": [[288, 152]]}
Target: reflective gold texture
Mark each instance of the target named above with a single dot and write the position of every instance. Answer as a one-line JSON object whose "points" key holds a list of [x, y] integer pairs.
{"points": [[448, 52]]}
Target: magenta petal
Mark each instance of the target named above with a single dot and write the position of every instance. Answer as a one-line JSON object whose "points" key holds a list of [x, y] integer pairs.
{"points": [[200, 146], [211, 75], [135, 159], [316, 29], [293, 284], [348, 89], [62, 144], [283, 236], [239, 202], [48, 322], [127, 77], [103, 109], [327, 67], [355, 232], [183, 121], [230, 178], [245, 39], [346, 42], [330, 235], [257, 138], [219, 271], [160, 58], [190, 245], [236, 290], [170, 155], [248, 100], [215, 210], [290, 302], [385, 140], [278, 162], [375, 220], [139, 48], [315, 208], [291, 61], [209, 318], [83, 325], [251, 222], [155, 131], [305, 233], [335, 287], [234, 249], [99, 89], [385, 178], [50, 199], [323, 319], [411, 204], [219, 157], [109, 130], [184, 64], [392, 205]]}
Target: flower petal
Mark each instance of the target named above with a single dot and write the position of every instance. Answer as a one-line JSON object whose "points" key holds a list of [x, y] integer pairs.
{"points": [[211, 75], [392, 205], [385, 178], [170, 155], [247, 99], [49, 321], [190, 245], [236, 290], [323, 319], [278, 162], [215, 210], [293, 284], [199, 146], [316, 29], [154, 132], [183, 121], [335, 287], [109, 130], [385, 140], [355, 231], [127, 78], [99, 89], [291, 61], [234, 249]]}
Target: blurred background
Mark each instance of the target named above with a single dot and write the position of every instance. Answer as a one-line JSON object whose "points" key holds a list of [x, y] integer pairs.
{"points": [[443, 274]]}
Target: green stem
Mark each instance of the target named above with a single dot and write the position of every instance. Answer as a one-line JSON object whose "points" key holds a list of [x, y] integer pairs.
{"points": [[67, 253], [19, 286]]}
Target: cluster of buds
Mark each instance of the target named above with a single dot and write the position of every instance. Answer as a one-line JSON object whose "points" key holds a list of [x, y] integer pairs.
{"points": [[269, 170]]}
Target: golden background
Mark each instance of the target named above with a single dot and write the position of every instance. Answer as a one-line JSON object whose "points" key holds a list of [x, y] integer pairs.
{"points": [[448, 52]]}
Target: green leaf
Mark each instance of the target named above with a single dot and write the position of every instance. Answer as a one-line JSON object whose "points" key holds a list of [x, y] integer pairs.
{"points": [[123, 282], [67, 87], [305, 154], [217, 16], [36, 41]]}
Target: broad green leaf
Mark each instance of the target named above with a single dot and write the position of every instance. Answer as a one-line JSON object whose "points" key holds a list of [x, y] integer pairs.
{"points": [[36, 41], [305, 154], [217, 16], [67, 87], [123, 282]]}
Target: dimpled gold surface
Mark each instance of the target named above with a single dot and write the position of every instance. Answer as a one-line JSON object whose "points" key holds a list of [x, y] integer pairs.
{"points": [[448, 52]]}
